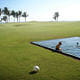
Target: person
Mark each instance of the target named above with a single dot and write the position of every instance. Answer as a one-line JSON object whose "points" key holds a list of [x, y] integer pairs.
{"points": [[77, 44], [58, 46]]}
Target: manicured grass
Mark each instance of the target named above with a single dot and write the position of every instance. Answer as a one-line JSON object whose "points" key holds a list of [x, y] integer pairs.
{"points": [[18, 56]]}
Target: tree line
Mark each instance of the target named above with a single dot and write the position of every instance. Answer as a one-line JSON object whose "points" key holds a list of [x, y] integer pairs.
{"points": [[5, 15]]}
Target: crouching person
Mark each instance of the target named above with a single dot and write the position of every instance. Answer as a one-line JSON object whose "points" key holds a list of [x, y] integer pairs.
{"points": [[58, 46]]}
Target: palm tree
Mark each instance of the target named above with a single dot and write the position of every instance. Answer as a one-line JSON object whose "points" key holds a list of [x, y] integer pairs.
{"points": [[13, 14], [0, 14], [56, 15], [5, 12], [25, 15], [9, 14], [4, 18], [19, 13], [0, 11], [54, 18]]}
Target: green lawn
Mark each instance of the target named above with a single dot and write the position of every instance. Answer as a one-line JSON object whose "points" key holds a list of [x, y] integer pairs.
{"points": [[18, 56]]}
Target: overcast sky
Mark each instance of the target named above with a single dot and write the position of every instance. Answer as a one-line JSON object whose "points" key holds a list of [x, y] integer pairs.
{"points": [[43, 10]]}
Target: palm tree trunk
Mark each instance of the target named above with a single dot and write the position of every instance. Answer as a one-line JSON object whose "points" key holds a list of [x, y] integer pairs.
{"points": [[57, 19], [0, 18], [6, 20], [25, 19], [17, 19], [14, 19], [9, 18]]}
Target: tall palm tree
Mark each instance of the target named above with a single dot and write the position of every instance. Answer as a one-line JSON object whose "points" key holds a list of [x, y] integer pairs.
{"points": [[9, 14], [5, 12], [56, 15], [13, 14], [0, 13], [25, 15], [19, 13]]}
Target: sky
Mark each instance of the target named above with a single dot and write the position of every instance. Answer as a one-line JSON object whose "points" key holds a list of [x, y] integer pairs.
{"points": [[43, 10]]}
